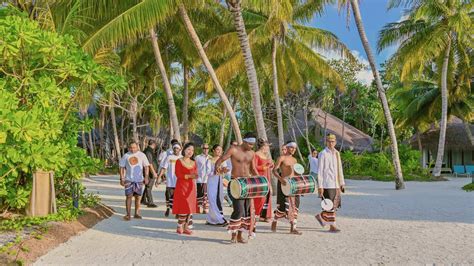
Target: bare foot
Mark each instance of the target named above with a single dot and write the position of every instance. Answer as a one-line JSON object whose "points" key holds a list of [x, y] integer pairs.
{"points": [[137, 216], [126, 217], [319, 219], [274, 226], [240, 239], [233, 240], [334, 229], [295, 232]]}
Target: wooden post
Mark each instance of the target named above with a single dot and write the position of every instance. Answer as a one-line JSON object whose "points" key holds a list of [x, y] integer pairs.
{"points": [[43, 196]]}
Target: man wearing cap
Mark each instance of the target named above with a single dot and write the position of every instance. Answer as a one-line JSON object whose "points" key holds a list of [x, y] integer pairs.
{"points": [[242, 158], [150, 153], [168, 167], [203, 163], [330, 182], [287, 207]]}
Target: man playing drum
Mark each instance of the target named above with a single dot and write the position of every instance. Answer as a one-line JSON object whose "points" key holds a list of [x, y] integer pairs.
{"points": [[287, 207], [242, 158]]}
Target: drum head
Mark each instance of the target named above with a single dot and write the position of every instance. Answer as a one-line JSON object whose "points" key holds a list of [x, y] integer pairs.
{"points": [[286, 188], [327, 204], [298, 168], [235, 189]]}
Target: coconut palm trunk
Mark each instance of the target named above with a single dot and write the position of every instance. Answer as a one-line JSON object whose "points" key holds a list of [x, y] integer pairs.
{"points": [[276, 95], [235, 8], [197, 43], [133, 112], [399, 183], [102, 133], [166, 84], [444, 111], [185, 103], [114, 129], [222, 130]]}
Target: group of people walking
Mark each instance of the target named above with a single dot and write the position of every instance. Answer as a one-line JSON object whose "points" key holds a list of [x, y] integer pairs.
{"points": [[198, 184]]}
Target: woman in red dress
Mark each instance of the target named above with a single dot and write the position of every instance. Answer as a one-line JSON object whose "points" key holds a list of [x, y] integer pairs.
{"points": [[185, 193], [264, 164]]}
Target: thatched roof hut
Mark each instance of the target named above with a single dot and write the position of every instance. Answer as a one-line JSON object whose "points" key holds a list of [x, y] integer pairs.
{"points": [[458, 136], [351, 137], [320, 121], [459, 145]]}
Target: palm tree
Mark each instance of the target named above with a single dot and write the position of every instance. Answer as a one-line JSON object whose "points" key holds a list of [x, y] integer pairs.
{"points": [[435, 33], [291, 45], [354, 5], [235, 8], [115, 24], [197, 42], [167, 86], [288, 21]]}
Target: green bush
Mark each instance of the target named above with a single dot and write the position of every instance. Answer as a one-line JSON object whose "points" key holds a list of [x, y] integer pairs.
{"points": [[378, 166], [468, 187], [43, 76]]}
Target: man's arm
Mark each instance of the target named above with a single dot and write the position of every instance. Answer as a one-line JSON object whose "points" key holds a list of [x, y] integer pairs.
{"points": [[253, 168], [122, 176], [320, 173], [275, 170], [164, 165], [149, 156], [224, 157]]}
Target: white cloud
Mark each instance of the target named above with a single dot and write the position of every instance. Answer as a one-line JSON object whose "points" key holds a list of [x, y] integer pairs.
{"points": [[365, 76]]}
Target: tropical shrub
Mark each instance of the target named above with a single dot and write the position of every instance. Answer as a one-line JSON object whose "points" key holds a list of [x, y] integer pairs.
{"points": [[42, 75], [378, 166]]}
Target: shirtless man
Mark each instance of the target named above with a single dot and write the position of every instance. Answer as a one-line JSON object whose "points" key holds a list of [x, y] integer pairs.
{"points": [[287, 207], [242, 159]]}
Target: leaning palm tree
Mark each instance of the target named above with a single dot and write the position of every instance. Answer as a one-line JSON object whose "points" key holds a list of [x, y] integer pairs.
{"points": [[292, 49], [235, 8], [435, 33], [354, 6], [197, 42]]}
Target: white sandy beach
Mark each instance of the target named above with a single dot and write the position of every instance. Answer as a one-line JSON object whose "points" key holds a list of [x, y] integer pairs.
{"points": [[425, 223]]}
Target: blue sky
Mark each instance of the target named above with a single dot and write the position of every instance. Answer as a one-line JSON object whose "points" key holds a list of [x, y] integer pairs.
{"points": [[374, 15]]}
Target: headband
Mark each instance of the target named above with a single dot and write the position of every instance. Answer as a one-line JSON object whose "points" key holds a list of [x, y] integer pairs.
{"points": [[176, 146], [250, 140], [292, 144]]}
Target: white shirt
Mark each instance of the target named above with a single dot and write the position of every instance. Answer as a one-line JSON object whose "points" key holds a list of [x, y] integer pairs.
{"points": [[169, 165], [203, 164], [167, 153], [328, 167], [161, 158], [226, 163], [134, 164], [313, 164]]}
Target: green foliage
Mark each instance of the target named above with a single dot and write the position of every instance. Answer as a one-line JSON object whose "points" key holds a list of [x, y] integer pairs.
{"points": [[41, 76], [64, 214], [378, 166], [468, 187]]}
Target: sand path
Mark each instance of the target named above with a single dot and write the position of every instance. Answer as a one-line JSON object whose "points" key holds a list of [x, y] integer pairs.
{"points": [[425, 223]]}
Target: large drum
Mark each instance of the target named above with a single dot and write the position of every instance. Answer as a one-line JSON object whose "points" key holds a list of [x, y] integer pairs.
{"points": [[249, 187], [298, 185]]}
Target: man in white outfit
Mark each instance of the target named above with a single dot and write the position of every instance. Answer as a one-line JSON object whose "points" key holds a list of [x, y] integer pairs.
{"points": [[168, 167], [330, 182], [203, 167]]}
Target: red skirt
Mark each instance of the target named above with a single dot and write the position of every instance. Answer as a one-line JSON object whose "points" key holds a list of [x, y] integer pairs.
{"points": [[184, 201]]}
